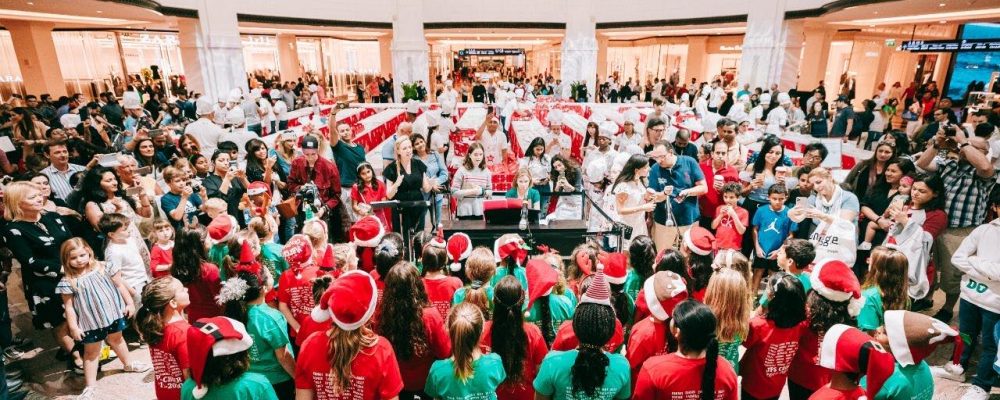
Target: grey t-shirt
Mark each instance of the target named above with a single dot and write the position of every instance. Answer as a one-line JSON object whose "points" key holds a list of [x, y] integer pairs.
{"points": [[840, 122]]}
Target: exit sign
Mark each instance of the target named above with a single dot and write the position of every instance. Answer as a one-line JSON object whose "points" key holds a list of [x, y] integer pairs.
{"points": [[890, 42]]}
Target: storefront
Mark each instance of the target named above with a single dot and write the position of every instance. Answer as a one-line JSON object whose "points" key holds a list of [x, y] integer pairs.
{"points": [[701, 57]]}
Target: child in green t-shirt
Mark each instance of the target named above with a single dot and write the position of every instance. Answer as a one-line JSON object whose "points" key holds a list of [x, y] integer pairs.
{"points": [[884, 287], [795, 257], [911, 337], [468, 373]]}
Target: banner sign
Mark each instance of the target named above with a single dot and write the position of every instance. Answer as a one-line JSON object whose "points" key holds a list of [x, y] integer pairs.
{"points": [[490, 52], [923, 46]]}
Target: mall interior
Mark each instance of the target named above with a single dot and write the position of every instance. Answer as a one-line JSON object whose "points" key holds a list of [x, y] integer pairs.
{"points": [[89, 46]]}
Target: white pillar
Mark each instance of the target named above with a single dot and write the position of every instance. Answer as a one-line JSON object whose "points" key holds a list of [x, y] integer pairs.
{"points": [[771, 46], [579, 48], [410, 53], [288, 57], [36, 56], [211, 49]]}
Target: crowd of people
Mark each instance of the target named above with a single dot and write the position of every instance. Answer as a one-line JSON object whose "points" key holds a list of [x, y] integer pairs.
{"points": [[261, 267]]}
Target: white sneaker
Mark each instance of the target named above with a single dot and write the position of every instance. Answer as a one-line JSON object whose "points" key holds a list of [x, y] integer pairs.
{"points": [[137, 367], [865, 246], [949, 371], [975, 393], [88, 393]]}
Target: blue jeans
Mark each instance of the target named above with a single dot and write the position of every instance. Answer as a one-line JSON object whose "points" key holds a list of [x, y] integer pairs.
{"points": [[973, 321]]}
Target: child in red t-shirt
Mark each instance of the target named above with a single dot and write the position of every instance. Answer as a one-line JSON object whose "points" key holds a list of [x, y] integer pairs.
{"points": [[773, 339], [364, 367], [161, 323], [310, 325], [731, 220], [686, 373], [161, 255], [651, 336], [367, 190], [295, 299], [440, 287]]}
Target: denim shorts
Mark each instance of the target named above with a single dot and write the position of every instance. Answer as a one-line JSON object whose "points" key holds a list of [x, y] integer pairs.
{"points": [[98, 335]]}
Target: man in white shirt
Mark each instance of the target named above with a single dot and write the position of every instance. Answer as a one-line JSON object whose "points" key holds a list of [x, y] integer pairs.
{"points": [[206, 132], [251, 113], [716, 96], [556, 142], [449, 94], [280, 111], [602, 152], [60, 170], [777, 119], [267, 113], [494, 141]]}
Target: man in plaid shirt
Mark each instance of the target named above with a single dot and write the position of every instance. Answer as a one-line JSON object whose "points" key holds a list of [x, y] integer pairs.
{"points": [[968, 181]]}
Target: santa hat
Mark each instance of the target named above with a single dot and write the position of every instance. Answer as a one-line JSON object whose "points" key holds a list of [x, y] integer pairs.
{"points": [[510, 244], [248, 262], [914, 336], [367, 231], [350, 301], [541, 279], [459, 247], [328, 262], [835, 281], [213, 337], [662, 292], [257, 188], [699, 240], [222, 228], [607, 129], [847, 349], [297, 251], [438, 240], [599, 291], [615, 267]]}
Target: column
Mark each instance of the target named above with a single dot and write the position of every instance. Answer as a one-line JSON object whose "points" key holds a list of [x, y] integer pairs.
{"points": [[385, 55], [211, 49], [697, 59], [36, 57], [410, 53], [771, 47], [288, 57], [579, 48], [815, 56], [602, 58]]}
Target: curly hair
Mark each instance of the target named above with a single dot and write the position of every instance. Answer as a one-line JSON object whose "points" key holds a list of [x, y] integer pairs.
{"points": [[823, 313], [402, 321], [786, 305]]}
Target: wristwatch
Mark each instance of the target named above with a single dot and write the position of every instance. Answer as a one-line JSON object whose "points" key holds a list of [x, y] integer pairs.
{"points": [[962, 146]]}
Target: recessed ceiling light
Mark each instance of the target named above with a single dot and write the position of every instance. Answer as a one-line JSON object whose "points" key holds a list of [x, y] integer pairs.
{"points": [[876, 12], [31, 3], [941, 4], [100, 12], [942, 22]]}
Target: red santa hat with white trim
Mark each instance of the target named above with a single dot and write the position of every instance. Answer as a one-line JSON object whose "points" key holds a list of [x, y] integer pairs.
{"points": [[511, 245], [298, 251], [213, 337], [541, 279], [349, 301], [662, 292], [257, 188], [847, 349], [367, 231], [914, 336], [459, 247], [222, 228], [615, 267], [699, 240], [835, 281]]}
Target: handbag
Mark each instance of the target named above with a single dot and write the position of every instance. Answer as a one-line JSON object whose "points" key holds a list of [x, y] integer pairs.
{"points": [[289, 207]]}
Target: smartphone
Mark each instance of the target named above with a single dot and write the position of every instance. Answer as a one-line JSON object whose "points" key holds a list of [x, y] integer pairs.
{"points": [[155, 132], [108, 160], [233, 166], [802, 202], [134, 191], [144, 170]]}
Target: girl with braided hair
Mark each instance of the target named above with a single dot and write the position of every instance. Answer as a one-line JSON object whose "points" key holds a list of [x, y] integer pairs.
{"points": [[587, 371]]}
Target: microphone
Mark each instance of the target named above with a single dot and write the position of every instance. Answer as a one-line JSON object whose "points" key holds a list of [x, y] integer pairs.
{"points": [[523, 224]]}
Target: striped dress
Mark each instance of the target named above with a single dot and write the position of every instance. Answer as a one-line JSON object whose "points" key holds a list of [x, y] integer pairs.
{"points": [[96, 300], [467, 179]]}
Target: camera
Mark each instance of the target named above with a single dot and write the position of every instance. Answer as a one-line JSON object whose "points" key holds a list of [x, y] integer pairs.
{"points": [[950, 130], [309, 194], [195, 184]]}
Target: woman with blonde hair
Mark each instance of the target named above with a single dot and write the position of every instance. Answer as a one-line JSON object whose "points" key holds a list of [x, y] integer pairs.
{"points": [[729, 298], [406, 180]]}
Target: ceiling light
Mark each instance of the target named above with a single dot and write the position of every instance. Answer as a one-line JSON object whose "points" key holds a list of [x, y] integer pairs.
{"points": [[100, 12], [31, 3], [941, 4], [51, 17], [942, 22], [928, 18]]}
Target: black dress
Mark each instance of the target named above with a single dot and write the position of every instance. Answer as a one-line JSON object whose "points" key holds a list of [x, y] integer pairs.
{"points": [[212, 185], [410, 190], [36, 247]]}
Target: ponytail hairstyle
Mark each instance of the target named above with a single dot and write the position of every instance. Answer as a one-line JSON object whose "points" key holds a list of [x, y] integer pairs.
{"points": [[594, 324], [237, 292], [728, 296], [696, 324], [887, 272], [156, 298], [465, 327], [403, 304], [319, 285], [787, 300], [189, 254], [508, 338], [641, 255], [734, 260], [345, 256], [433, 259], [480, 268], [344, 347], [235, 247], [388, 252], [673, 261]]}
